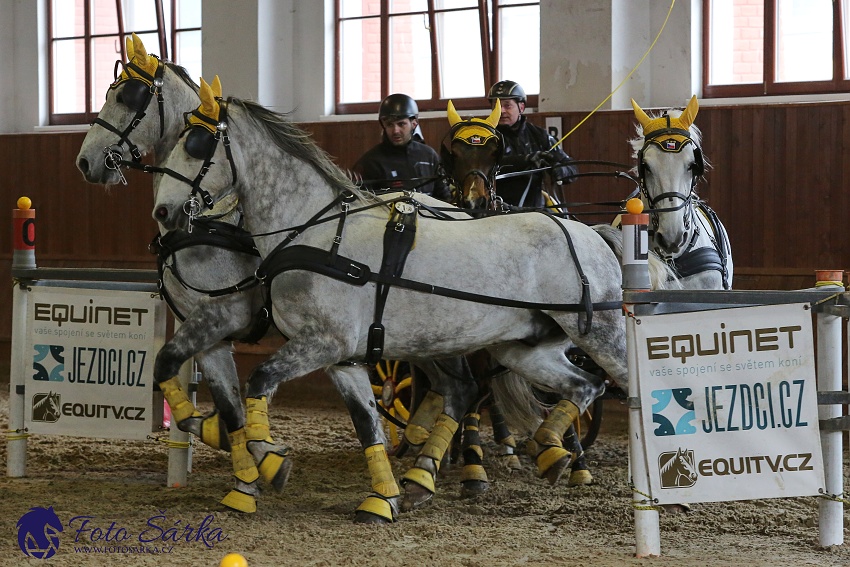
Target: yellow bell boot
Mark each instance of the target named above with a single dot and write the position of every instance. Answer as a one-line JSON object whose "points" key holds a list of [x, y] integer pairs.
{"points": [[211, 430], [422, 421], [380, 507], [245, 472], [553, 459]]}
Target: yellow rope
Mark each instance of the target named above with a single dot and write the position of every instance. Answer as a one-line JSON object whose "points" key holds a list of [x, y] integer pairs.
{"points": [[642, 504], [826, 283], [16, 434], [607, 98], [834, 497]]}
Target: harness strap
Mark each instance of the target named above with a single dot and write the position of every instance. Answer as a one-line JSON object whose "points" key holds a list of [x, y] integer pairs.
{"points": [[399, 236], [699, 260]]}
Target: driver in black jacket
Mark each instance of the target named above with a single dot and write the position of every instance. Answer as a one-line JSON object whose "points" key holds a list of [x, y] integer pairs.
{"points": [[526, 147], [400, 161]]}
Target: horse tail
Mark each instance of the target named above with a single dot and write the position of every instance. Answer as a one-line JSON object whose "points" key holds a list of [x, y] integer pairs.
{"points": [[661, 275], [522, 410]]}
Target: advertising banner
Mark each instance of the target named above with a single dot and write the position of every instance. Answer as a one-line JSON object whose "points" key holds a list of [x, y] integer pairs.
{"points": [[90, 355], [729, 404]]}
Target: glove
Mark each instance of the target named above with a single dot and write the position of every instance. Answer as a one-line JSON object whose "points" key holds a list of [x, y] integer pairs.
{"points": [[542, 159]]}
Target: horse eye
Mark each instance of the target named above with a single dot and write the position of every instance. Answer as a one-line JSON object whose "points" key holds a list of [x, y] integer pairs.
{"points": [[120, 97]]}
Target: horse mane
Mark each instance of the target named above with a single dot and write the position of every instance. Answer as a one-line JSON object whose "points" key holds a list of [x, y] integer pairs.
{"points": [[297, 143], [696, 134], [183, 74]]}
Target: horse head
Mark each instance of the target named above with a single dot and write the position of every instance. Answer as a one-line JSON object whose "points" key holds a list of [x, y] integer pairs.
{"points": [[135, 120], [190, 163], [669, 164], [473, 157]]}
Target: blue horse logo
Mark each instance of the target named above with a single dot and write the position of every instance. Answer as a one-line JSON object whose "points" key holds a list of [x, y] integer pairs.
{"points": [[675, 418], [38, 533]]}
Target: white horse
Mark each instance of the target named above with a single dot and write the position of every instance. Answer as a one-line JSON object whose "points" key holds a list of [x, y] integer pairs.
{"points": [[685, 231], [325, 290]]}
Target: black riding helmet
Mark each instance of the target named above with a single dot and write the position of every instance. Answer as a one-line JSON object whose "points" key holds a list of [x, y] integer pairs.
{"points": [[398, 106], [506, 89]]}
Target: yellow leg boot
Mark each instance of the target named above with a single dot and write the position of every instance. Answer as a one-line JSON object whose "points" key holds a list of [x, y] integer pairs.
{"points": [[419, 481], [242, 498], [422, 422], [553, 459], [275, 465], [473, 478], [212, 431], [382, 505]]}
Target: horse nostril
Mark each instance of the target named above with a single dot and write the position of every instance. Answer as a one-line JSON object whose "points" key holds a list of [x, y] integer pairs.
{"points": [[83, 165], [161, 213]]}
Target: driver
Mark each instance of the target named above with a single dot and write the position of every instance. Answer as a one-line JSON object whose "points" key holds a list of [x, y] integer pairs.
{"points": [[401, 161], [526, 147]]}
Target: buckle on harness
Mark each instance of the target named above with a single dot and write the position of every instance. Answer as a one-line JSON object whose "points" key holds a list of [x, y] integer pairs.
{"points": [[357, 271]]}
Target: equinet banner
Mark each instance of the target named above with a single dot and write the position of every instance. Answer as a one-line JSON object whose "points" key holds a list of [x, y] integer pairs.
{"points": [[729, 404]]}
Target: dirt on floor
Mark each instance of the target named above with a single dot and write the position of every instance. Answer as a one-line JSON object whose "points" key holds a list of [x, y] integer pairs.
{"points": [[112, 499]]}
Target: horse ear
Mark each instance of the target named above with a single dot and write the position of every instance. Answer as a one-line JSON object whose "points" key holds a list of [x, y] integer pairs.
{"points": [[139, 52], [207, 95], [216, 87], [128, 43], [452, 114], [690, 112], [641, 116], [493, 119]]}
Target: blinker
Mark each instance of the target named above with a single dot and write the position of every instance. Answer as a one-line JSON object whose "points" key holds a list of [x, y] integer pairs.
{"points": [[200, 142]]}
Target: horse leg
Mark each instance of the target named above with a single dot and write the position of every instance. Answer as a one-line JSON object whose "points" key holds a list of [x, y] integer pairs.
{"points": [[353, 384], [450, 376], [422, 421], [579, 471], [504, 438], [547, 366], [473, 479]]}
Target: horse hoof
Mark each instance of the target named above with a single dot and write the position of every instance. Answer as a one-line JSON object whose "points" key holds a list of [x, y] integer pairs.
{"points": [[552, 463], [275, 469], [510, 462], [240, 501], [470, 488], [377, 509], [676, 508], [580, 478], [367, 518], [415, 496]]}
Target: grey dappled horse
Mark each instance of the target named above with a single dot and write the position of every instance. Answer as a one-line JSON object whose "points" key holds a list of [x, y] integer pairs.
{"points": [[685, 231], [324, 292], [140, 117]]}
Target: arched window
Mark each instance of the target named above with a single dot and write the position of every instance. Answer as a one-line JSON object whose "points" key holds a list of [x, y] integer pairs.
{"points": [[434, 50], [86, 37]]}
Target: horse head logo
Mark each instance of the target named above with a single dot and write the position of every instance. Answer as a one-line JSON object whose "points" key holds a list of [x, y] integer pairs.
{"points": [[678, 469], [45, 407], [38, 533]]}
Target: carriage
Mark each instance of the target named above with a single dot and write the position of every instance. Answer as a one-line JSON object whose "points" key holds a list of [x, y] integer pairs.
{"points": [[305, 274]]}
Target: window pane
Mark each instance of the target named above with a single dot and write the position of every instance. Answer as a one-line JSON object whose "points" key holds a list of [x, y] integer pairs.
{"points": [[803, 40], [403, 6], [509, 2], [188, 14], [105, 52], [188, 53], [139, 15], [410, 56], [68, 18], [519, 52], [360, 60], [69, 76], [461, 62], [737, 42], [104, 17], [354, 8], [845, 41], [453, 4]]}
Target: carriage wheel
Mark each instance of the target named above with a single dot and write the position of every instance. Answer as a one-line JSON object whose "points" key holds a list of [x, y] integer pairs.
{"points": [[393, 384]]}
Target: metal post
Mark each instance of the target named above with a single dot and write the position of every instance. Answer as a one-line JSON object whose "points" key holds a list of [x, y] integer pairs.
{"points": [[636, 278], [830, 512], [23, 256]]}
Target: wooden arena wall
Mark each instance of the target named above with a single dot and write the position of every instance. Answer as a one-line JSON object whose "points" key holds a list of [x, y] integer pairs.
{"points": [[778, 181]]}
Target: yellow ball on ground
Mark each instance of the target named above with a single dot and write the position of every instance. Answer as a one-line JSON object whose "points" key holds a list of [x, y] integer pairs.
{"points": [[233, 560], [24, 203], [634, 206]]}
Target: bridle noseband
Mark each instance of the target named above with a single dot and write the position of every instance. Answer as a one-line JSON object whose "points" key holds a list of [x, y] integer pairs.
{"points": [[136, 95]]}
